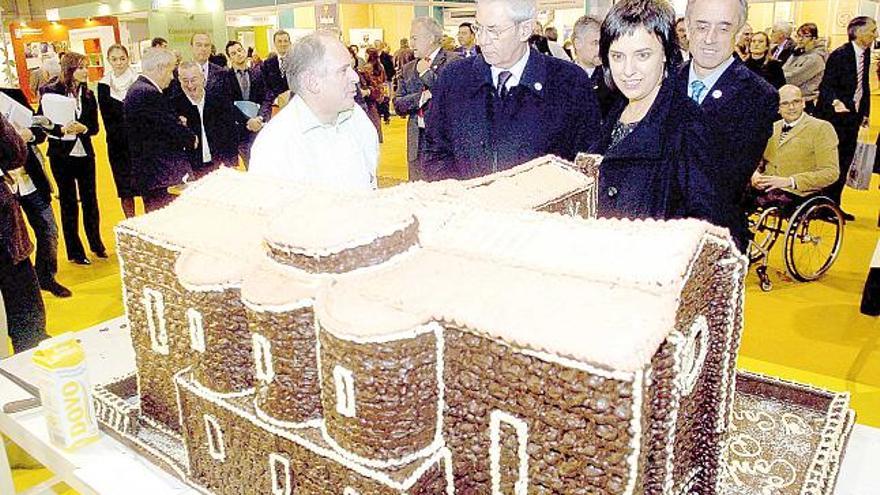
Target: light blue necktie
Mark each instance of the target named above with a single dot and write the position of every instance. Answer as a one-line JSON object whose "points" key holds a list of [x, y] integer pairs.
{"points": [[697, 88]]}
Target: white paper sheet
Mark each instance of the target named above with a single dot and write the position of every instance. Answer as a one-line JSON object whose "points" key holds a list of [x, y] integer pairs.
{"points": [[61, 110], [15, 112]]}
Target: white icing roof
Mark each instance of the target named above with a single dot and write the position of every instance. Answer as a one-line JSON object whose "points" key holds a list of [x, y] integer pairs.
{"points": [[602, 291]]}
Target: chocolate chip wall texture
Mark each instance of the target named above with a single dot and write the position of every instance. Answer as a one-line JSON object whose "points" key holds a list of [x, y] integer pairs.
{"points": [[477, 337]]}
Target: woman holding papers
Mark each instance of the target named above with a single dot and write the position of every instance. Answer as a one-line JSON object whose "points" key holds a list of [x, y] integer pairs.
{"points": [[74, 113], [111, 94]]}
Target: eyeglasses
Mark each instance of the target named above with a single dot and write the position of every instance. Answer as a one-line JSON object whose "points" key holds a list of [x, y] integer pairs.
{"points": [[792, 103], [492, 33]]}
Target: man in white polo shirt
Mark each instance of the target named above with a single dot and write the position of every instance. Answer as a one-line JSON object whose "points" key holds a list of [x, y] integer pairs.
{"points": [[321, 137]]}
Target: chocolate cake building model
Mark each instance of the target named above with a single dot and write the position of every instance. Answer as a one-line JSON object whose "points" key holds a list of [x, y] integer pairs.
{"points": [[427, 339]]}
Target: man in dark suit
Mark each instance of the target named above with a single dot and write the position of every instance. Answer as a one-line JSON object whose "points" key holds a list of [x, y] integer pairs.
{"points": [[247, 85], [216, 77], [782, 45], [741, 107], [274, 73], [508, 105], [845, 95], [23, 307], [210, 117], [467, 41], [413, 97], [157, 140], [585, 41]]}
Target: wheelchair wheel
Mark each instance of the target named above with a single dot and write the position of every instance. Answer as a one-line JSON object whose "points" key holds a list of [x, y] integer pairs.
{"points": [[766, 227], [813, 239]]}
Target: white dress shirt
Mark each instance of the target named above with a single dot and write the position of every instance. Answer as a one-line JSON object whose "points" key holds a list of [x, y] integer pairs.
{"points": [[516, 71], [296, 146], [203, 139]]}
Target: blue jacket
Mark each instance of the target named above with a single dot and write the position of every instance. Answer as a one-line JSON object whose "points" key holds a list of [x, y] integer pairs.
{"points": [[470, 132], [664, 168], [740, 110]]}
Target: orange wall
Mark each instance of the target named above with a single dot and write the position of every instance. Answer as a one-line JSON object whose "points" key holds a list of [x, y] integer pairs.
{"points": [[48, 31]]}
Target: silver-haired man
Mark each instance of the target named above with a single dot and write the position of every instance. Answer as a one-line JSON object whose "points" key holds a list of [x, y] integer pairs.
{"points": [[741, 106], [157, 140], [417, 77], [510, 104], [321, 137]]}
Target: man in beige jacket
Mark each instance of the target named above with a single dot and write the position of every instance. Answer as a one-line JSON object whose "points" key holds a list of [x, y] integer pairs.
{"points": [[801, 155]]}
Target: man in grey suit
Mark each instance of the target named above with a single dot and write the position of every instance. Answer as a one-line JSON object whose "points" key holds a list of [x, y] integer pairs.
{"points": [[416, 80]]}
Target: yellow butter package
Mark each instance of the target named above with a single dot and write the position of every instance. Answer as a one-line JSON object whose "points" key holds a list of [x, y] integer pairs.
{"points": [[66, 393]]}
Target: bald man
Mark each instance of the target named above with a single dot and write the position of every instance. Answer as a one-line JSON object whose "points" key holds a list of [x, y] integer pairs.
{"points": [[801, 155]]}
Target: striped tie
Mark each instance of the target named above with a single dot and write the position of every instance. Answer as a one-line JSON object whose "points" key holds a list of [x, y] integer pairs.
{"points": [[860, 76]]}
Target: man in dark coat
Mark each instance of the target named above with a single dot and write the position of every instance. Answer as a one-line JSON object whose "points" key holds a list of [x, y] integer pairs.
{"points": [[211, 117], [417, 78], [585, 41], [22, 304], [508, 105], [157, 140], [740, 106], [782, 46], [247, 85], [845, 95], [274, 73]]}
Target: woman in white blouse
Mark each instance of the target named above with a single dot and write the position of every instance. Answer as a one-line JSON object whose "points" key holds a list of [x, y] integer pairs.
{"points": [[72, 159]]}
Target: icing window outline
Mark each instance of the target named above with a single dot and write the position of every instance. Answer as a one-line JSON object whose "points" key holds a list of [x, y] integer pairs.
{"points": [[497, 417], [216, 448], [154, 306], [343, 378], [196, 330], [276, 460], [692, 358], [265, 371], [350, 491]]}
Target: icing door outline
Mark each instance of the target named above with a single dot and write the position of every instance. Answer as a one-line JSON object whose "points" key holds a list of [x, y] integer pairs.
{"points": [[496, 418], [196, 330], [214, 433], [154, 306], [343, 378], [280, 485], [265, 371]]}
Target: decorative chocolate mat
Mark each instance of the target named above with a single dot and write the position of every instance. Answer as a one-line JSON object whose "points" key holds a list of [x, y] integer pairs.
{"points": [[784, 438]]}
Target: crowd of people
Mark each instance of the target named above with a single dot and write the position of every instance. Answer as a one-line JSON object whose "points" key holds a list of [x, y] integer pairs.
{"points": [[694, 116]]}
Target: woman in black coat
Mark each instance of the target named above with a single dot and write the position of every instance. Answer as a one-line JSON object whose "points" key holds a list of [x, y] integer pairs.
{"points": [[73, 159], [761, 63], [111, 93], [657, 161]]}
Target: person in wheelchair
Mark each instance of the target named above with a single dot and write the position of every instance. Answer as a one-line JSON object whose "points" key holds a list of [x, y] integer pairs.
{"points": [[801, 156]]}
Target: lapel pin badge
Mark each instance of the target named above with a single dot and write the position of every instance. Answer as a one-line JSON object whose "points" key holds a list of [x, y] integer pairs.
{"points": [[539, 86], [716, 94]]}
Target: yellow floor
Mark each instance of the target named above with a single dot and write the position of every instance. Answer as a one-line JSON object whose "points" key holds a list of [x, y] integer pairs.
{"points": [[807, 332]]}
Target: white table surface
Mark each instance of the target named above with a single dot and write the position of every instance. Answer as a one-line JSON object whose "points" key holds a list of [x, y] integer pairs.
{"points": [[109, 467]]}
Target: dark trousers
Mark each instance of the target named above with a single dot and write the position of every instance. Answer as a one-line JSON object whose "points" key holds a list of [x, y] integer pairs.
{"points": [[25, 313], [77, 175], [156, 199], [847, 137], [39, 215]]}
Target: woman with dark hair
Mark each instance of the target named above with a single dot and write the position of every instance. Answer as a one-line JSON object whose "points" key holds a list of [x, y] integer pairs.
{"points": [[111, 94], [655, 142], [373, 79], [72, 159], [760, 62]]}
